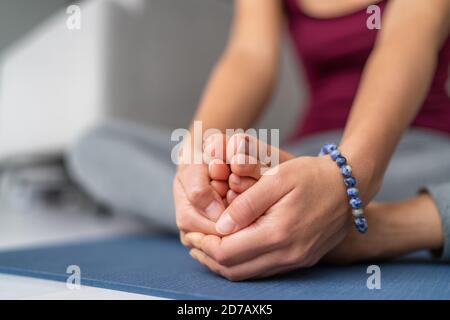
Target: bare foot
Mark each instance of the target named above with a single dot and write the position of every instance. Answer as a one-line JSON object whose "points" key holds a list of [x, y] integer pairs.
{"points": [[214, 150], [395, 229], [236, 164]]}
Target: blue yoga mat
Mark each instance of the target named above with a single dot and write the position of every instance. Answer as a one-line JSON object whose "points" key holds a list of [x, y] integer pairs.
{"points": [[158, 265]]}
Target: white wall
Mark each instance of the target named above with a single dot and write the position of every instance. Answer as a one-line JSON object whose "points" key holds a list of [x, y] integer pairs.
{"points": [[52, 82], [18, 17], [143, 60]]}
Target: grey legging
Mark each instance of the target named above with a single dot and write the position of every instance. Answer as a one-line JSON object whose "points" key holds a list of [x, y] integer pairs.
{"points": [[128, 168]]}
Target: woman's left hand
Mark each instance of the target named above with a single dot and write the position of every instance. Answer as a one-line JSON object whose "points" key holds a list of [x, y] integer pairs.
{"points": [[287, 220]]}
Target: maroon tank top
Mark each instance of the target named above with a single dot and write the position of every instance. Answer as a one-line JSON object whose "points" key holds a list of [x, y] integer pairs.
{"points": [[333, 53]]}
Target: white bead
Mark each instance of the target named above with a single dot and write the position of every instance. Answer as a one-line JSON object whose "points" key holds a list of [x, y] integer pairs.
{"points": [[357, 212]]}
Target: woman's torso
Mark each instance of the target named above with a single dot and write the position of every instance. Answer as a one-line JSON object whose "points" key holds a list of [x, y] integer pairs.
{"points": [[333, 52]]}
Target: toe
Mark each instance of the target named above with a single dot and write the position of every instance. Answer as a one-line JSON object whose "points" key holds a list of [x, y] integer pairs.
{"points": [[240, 184], [215, 146], [246, 166], [218, 170], [221, 187]]}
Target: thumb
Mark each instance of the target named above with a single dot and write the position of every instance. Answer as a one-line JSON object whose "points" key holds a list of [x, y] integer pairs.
{"points": [[250, 205]]}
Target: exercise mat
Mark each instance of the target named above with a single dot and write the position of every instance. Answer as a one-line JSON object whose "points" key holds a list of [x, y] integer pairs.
{"points": [[158, 265]]}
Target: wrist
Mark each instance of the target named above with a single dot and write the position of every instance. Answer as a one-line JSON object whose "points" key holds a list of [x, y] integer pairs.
{"points": [[365, 168]]}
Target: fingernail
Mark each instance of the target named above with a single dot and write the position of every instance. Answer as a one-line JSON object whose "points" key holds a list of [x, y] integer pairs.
{"points": [[214, 210], [194, 238], [226, 225]]}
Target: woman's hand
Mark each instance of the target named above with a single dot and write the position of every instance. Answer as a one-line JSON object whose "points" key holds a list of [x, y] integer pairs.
{"points": [[232, 101], [285, 221], [197, 204]]}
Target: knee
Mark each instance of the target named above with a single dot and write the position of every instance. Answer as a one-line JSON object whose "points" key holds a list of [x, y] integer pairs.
{"points": [[84, 154]]}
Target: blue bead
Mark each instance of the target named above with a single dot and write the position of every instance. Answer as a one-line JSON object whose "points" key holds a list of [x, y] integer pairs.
{"points": [[327, 148], [346, 171], [355, 203], [335, 154], [361, 224], [340, 161], [350, 182], [352, 192], [324, 149]]}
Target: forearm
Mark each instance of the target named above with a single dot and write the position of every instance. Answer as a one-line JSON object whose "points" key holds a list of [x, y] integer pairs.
{"points": [[394, 85], [392, 90], [237, 92]]}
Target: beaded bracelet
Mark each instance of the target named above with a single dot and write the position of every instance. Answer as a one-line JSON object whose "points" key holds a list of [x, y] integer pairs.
{"points": [[350, 182]]}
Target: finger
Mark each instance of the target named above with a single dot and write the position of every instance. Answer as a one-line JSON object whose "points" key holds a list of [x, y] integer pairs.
{"points": [[184, 241], [275, 271], [231, 195], [218, 170], [246, 166], [195, 180], [240, 184], [241, 246], [221, 187], [262, 265], [251, 204], [188, 217], [189, 222]]}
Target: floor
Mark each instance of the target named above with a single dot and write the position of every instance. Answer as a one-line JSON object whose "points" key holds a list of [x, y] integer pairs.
{"points": [[24, 230], [23, 288]]}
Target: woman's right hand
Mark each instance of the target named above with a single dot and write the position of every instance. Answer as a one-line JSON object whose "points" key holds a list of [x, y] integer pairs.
{"points": [[197, 205]]}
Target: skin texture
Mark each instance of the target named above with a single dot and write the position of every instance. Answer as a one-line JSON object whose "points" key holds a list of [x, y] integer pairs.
{"points": [[395, 229], [306, 214]]}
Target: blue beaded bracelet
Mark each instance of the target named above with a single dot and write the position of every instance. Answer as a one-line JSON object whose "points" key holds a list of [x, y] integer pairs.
{"points": [[350, 182]]}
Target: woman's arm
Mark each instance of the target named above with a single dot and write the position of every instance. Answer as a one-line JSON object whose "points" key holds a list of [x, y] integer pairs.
{"points": [[306, 214], [235, 95], [242, 81], [394, 84]]}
